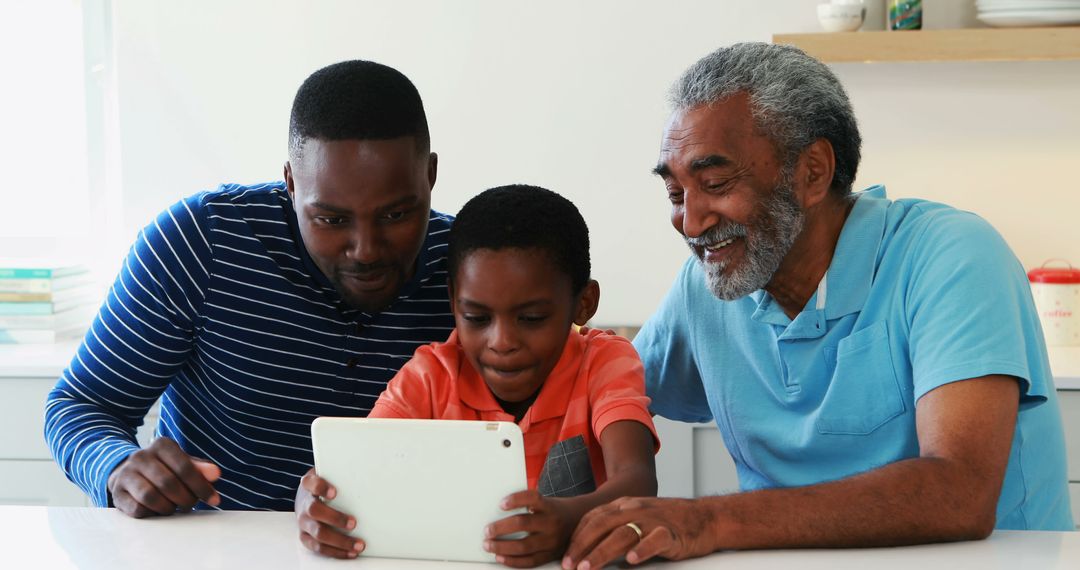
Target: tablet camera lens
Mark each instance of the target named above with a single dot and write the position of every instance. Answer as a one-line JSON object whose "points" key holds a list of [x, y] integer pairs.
{"points": [[506, 443]]}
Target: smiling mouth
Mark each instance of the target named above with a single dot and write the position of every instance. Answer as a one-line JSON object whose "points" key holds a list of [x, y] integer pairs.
{"points": [[505, 372], [720, 245]]}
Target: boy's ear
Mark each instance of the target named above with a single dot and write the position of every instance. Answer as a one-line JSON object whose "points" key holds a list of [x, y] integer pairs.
{"points": [[588, 301]]}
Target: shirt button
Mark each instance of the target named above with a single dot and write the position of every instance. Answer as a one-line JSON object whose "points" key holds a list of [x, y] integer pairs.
{"points": [[352, 362]]}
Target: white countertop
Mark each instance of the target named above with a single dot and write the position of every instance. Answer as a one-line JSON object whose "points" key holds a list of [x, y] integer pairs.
{"points": [[49, 360], [55, 537]]}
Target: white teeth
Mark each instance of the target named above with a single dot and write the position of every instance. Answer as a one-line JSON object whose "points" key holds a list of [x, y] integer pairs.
{"points": [[720, 245]]}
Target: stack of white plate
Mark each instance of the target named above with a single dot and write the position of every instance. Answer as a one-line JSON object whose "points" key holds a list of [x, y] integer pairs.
{"points": [[1007, 13]]}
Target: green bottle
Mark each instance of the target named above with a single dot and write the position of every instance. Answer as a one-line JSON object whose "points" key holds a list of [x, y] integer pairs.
{"points": [[905, 14]]}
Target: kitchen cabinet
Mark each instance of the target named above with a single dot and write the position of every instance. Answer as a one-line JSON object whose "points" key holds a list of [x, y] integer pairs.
{"points": [[28, 475], [973, 44]]}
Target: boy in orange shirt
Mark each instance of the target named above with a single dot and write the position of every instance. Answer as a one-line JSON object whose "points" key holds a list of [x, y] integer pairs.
{"points": [[519, 279]]}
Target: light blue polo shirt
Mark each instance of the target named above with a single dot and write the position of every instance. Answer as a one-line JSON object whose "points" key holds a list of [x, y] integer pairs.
{"points": [[918, 295]]}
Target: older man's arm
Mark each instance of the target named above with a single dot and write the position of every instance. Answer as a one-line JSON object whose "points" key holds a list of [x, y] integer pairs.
{"points": [[948, 493]]}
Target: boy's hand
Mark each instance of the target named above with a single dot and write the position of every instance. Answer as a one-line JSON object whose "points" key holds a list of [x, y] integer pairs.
{"points": [[161, 479], [549, 524], [322, 529]]}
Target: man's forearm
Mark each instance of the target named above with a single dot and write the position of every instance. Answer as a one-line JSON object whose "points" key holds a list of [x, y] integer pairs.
{"points": [[908, 502], [86, 442]]}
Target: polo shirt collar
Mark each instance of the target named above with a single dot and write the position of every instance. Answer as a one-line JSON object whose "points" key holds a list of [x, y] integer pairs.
{"points": [[846, 283], [554, 397], [851, 272]]}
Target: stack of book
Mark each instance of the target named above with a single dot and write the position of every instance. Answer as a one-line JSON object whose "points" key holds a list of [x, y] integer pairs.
{"points": [[45, 302]]}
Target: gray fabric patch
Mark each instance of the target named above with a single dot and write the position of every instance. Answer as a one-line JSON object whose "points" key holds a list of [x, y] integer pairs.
{"points": [[567, 470]]}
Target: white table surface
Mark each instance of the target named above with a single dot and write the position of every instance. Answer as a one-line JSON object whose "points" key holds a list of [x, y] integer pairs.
{"points": [[65, 537]]}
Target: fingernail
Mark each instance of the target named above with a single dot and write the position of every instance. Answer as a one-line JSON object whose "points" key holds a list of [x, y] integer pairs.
{"points": [[488, 545], [488, 532], [500, 559], [331, 493], [632, 557], [583, 566], [358, 546], [352, 554], [351, 524], [505, 505], [567, 564]]}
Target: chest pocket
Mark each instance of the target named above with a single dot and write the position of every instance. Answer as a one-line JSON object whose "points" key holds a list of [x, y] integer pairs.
{"points": [[864, 393]]}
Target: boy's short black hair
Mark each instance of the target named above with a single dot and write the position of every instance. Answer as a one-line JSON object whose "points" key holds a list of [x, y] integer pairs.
{"points": [[360, 100], [525, 217]]}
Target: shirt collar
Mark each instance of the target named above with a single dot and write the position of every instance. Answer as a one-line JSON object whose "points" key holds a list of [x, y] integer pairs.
{"points": [[554, 397], [854, 262]]}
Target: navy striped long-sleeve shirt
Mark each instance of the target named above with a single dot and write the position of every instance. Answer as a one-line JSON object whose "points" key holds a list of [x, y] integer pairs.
{"points": [[220, 311]]}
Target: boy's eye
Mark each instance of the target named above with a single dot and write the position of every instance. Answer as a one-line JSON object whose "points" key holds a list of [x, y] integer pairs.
{"points": [[476, 319], [532, 319]]}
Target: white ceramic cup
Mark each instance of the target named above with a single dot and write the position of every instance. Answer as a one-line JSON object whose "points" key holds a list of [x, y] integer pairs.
{"points": [[841, 17]]}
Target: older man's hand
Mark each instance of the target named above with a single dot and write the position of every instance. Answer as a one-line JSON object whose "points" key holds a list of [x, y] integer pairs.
{"points": [[670, 528]]}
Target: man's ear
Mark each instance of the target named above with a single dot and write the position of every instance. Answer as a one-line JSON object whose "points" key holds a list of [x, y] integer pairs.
{"points": [[814, 172], [587, 302], [433, 170], [289, 181]]}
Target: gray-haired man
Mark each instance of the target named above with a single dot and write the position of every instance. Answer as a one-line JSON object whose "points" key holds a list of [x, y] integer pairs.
{"points": [[875, 367]]}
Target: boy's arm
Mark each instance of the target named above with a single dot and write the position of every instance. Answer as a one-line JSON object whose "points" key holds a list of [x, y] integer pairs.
{"points": [[631, 472]]}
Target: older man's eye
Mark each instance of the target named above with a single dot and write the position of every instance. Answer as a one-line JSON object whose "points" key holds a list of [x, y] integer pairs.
{"points": [[395, 216]]}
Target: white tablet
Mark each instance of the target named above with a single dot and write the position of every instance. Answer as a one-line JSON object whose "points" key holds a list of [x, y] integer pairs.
{"points": [[420, 488]]}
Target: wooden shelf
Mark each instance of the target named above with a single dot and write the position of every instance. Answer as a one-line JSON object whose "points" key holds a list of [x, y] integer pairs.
{"points": [[974, 44]]}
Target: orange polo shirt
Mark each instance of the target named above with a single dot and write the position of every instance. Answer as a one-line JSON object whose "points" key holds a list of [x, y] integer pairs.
{"points": [[598, 380]]}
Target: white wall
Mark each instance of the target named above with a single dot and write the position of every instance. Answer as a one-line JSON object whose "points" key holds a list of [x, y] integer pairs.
{"points": [[571, 95]]}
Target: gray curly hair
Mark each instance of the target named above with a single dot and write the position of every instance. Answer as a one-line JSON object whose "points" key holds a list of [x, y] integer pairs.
{"points": [[794, 98]]}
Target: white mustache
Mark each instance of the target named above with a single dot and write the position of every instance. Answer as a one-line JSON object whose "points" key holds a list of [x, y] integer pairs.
{"points": [[717, 234]]}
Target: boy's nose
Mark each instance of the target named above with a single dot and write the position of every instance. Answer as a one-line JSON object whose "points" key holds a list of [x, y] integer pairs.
{"points": [[502, 339]]}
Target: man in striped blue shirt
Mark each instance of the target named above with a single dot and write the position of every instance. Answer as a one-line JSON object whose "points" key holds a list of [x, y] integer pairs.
{"points": [[252, 310]]}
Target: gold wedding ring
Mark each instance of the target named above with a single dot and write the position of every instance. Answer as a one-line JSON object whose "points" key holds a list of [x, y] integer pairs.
{"points": [[636, 529]]}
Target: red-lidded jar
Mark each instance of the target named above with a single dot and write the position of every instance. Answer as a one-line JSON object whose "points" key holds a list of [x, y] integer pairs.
{"points": [[1057, 298]]}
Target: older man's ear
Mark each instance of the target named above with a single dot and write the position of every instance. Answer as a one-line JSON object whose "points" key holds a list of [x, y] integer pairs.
{"points": [[814, 173]]}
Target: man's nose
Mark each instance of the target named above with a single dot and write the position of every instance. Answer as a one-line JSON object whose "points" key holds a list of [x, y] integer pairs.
{"points": [[364, 244], [697, 215]]}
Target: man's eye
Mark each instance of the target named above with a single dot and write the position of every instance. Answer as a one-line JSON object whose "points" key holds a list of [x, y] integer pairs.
{"points": [[675, 197], [330, 220], [717, 186], [395, 216]]}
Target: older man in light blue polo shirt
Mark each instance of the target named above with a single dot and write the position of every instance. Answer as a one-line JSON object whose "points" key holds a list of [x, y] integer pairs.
{"points": [[876, 367]]}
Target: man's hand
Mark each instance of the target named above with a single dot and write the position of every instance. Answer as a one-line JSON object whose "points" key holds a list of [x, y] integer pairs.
{"points": [[160, 479], [548, 525], [671, 528], [322, 529]]}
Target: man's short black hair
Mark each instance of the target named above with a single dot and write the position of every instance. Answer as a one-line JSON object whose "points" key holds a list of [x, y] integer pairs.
{"points": [[525, 217], [358, 100]]}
